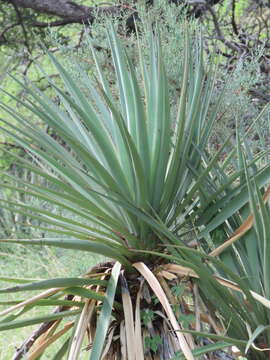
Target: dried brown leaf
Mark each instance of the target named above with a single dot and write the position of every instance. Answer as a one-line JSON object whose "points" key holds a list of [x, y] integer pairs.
{"points": [[157, 289]]}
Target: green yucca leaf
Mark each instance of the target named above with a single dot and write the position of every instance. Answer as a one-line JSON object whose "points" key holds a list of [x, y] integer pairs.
{"points": [[11, 318], [84, 109], [105, 315], [226, 339], [137, 173], [202, 178], [48, 284], [76, 244], [47, 302], [177, 159], [67, 200], [74, 228], [260, 211], [64, 223], [265, 224], [69, 171], [17, 280], [68, 174], [36, 320], [130, 102], [230, 204], [84, 293], [208, 348]]}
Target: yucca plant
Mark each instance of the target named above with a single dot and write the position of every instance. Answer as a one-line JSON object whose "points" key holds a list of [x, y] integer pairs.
{"points": [[134, 179]]}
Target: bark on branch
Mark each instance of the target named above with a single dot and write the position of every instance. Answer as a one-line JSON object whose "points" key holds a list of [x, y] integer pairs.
{"points": [[61, 8], [68, 11]]}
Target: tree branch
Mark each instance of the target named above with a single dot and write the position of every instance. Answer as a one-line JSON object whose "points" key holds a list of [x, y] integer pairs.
{"points": [[221, 37], [89, 18], [234, 26], [68, 11], [6, 29], [60, 8], [20, 21]]}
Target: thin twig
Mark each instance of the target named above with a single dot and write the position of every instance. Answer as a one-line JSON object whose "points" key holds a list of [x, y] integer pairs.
{"points": [[20, 21], [7, 28]]}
